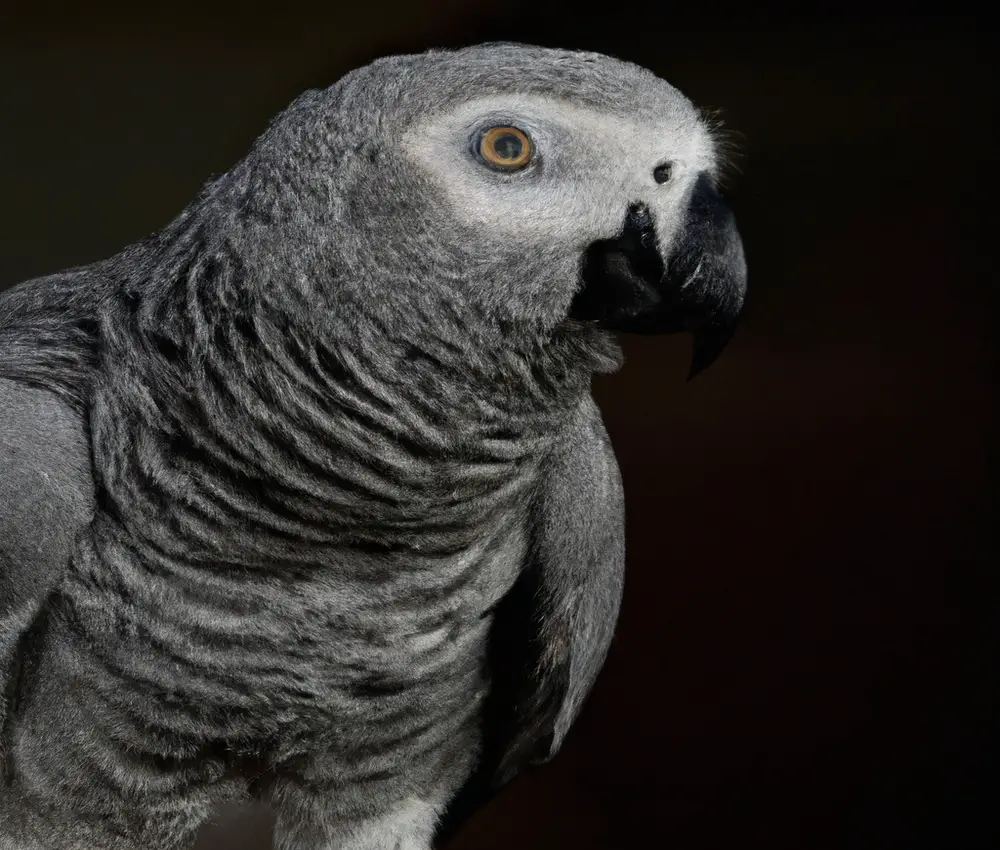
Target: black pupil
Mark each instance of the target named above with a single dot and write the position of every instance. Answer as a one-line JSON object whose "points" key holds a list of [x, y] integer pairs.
{"points": [[508, 146]]}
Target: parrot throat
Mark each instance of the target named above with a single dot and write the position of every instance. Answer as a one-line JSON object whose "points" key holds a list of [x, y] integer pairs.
{"points": [[258, 424]]}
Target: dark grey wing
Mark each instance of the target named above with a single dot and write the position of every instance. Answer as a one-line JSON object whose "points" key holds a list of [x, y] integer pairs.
{"points": [[552, 631], [46, 497]]}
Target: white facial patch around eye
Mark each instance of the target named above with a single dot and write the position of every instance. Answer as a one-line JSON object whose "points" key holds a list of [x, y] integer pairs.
{"points": [[678, 133], [590, 165]]}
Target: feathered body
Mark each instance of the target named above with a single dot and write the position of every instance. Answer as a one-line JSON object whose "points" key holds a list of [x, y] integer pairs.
{"points": [[334, 428]]}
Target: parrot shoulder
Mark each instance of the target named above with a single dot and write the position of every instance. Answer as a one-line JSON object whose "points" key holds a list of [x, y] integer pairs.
{"points": [[46, 489]]}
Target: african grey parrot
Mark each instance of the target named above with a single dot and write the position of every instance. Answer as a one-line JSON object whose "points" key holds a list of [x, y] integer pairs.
{"points": [[304, 498]]}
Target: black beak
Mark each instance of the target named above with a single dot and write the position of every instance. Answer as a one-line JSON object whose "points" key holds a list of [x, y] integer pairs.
{"points": [[699, 288]]}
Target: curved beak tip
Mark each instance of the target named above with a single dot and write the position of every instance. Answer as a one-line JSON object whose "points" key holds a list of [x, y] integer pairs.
{"points": [[706, 349]]}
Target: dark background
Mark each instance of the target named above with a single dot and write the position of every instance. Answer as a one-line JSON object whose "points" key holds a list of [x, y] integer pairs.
{"points": [[802, 656]]}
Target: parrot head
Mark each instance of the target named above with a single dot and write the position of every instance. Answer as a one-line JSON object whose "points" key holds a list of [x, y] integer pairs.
{"points": [[537, 186]]}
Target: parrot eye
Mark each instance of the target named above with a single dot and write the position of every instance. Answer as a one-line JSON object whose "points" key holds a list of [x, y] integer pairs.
{"points": [[504, 148]]}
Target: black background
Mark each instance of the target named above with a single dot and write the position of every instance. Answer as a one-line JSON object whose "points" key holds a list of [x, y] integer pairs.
{"points": [[802, 659]]}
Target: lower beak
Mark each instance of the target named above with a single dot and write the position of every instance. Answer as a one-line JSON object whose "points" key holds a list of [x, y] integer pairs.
{"points": [[629, 287]]}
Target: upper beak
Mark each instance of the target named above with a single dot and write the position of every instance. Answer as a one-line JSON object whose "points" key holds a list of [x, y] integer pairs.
{"points": [[629, 286]]}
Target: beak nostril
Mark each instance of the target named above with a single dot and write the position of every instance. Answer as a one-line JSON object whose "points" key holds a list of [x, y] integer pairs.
{"points": [[662, 172]]}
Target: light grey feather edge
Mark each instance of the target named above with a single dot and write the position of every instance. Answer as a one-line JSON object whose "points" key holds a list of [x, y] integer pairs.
{"points": [[581, 551], [46, 497], [583, 548]]}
